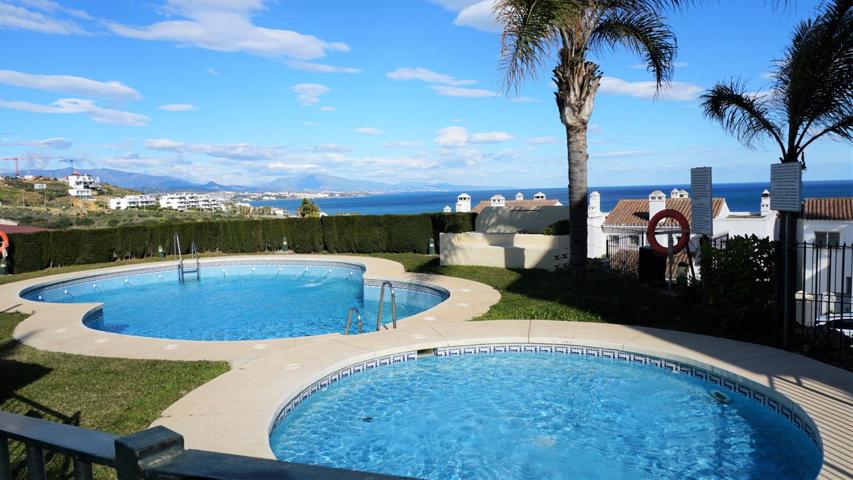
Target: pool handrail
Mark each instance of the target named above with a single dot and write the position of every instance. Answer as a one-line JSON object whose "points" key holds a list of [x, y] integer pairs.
{"points": [[382, 302], [349, 320]]}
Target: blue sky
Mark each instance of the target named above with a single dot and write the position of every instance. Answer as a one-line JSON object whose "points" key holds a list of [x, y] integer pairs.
{"points": [[244, 91]]}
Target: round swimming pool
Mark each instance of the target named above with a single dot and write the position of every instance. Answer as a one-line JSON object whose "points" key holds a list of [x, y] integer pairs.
{"points": [[237, 300], [544, 415]]}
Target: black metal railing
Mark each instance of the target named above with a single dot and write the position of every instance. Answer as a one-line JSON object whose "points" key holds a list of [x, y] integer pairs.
{"points": [[824, 302], [620, 243], [154, 453]]}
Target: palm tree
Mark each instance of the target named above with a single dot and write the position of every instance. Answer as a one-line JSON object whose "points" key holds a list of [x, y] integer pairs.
{"points": [[811, 98], [534, 29]]}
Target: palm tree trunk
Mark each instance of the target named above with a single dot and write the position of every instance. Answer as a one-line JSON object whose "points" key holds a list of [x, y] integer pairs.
{"points": [[578, 157]]}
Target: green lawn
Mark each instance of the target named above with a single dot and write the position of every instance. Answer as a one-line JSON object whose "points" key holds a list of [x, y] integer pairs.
{"points": [[113, 395], [603, 296]]}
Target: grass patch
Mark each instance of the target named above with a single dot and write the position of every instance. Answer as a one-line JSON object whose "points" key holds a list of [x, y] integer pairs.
{"points": [[109, 394], [603, 296]]}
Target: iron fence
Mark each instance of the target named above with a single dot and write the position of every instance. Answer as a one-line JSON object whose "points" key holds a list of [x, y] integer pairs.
{"points": [[154, 453], [824, 302]]}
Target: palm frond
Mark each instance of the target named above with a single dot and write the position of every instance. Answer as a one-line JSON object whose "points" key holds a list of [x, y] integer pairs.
{"points": [[746, 116], [641, 29], [815, 79], [530, 32]]}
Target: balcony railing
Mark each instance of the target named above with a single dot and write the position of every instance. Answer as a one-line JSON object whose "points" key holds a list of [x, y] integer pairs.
{"points": [[151, 454]]}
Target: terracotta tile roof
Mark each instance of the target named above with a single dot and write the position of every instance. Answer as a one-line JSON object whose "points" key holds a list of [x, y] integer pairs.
{"points": [[522, 204], [838, 208], [22, 229], [635, 213]]}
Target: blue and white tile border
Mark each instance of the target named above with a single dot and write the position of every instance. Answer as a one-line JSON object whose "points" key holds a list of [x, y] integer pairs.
{"points": [[774, 401], [334, 377], [31, 293]]}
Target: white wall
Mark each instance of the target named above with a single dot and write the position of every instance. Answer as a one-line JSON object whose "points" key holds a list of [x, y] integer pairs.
{"points": [[515, 220]]}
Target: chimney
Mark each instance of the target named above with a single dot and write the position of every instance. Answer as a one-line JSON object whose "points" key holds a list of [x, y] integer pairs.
{"points": [[463, 203], [765, 202], [519, 196], [594, 204], [498, 201], [657, 202]]}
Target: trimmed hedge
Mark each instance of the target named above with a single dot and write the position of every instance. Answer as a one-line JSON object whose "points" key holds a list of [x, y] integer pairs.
{"points": [[345, 234]]}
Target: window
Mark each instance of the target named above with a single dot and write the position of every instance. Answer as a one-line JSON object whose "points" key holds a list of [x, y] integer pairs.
{"points": [[634, 240], [827, 238]]}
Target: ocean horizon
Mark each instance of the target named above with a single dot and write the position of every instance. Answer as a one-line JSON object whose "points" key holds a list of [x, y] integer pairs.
{"points": [[740, 197]]}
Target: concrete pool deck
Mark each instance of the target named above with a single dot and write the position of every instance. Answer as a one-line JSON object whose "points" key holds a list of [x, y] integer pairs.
{"points": [[234, 412]]}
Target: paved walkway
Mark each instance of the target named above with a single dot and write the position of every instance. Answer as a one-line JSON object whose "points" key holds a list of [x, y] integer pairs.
{"points": [[234, 412]]}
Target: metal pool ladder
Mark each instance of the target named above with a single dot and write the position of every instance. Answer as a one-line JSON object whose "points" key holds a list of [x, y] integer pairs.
{"points": [[382, 302], [182, 270], [349, 320]]}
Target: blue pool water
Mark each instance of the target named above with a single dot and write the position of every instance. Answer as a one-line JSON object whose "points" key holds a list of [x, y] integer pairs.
{"points": [[237, 302], [537, 416]]}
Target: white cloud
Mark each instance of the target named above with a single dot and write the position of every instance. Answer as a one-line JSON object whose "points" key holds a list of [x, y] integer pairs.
{"points": [[319, 67], [178, 107], [212, 72], [403, 144], [15, 17], [426, 75], [231, 151], [545, 140], [292, 167], [78, 105], [448, 91], [524, 100], [309, 93], [678, 91], [328, 108], [226, 26], [331, 148], [70, 84], [491, 137], [456, 136], [57, 143], [452, 137], [455, 5], [368, 131], [479, 16]]}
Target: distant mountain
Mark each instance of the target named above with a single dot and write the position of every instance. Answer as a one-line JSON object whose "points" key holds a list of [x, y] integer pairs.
{"points": [[295, 183]]}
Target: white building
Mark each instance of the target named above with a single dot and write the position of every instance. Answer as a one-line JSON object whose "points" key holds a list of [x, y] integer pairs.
{"points": [[463, 203], [81, 185], [595, 238], [826, 263], [191, 201], [132, 201], [625, 226]]}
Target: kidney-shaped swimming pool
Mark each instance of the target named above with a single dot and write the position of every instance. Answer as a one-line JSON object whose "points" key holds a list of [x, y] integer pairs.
{"points": [[233, 300]]}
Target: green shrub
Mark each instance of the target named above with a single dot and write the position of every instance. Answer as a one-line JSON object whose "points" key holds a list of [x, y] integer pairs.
{"points": [[739, 286], [350, 234], [557, 228]]}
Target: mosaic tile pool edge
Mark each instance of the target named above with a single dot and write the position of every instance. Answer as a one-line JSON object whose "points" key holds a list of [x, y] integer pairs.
{"points": [[776, 402], [337, 375]]}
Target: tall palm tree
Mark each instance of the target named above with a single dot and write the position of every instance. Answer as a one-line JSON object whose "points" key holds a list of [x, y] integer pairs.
{"points": [[533, 30], [811, 98]]}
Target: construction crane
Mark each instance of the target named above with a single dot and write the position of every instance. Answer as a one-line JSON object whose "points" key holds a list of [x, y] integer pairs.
{"points": [[17, 170], [70, 161]]}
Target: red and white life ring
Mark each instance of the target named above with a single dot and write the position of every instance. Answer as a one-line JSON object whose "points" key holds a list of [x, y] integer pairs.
{"points": [[683, 224], [5, 244]]}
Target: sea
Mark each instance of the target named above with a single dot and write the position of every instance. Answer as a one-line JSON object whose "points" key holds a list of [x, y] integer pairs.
{"points": [[740, 197]]}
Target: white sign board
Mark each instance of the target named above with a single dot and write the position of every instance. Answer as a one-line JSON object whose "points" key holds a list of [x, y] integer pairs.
{"points": [[786, 187], [40, 186], [702, 221]]}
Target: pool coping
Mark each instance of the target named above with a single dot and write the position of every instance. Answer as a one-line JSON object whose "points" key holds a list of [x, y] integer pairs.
{"points": [[60, 326], [266, 375]]}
